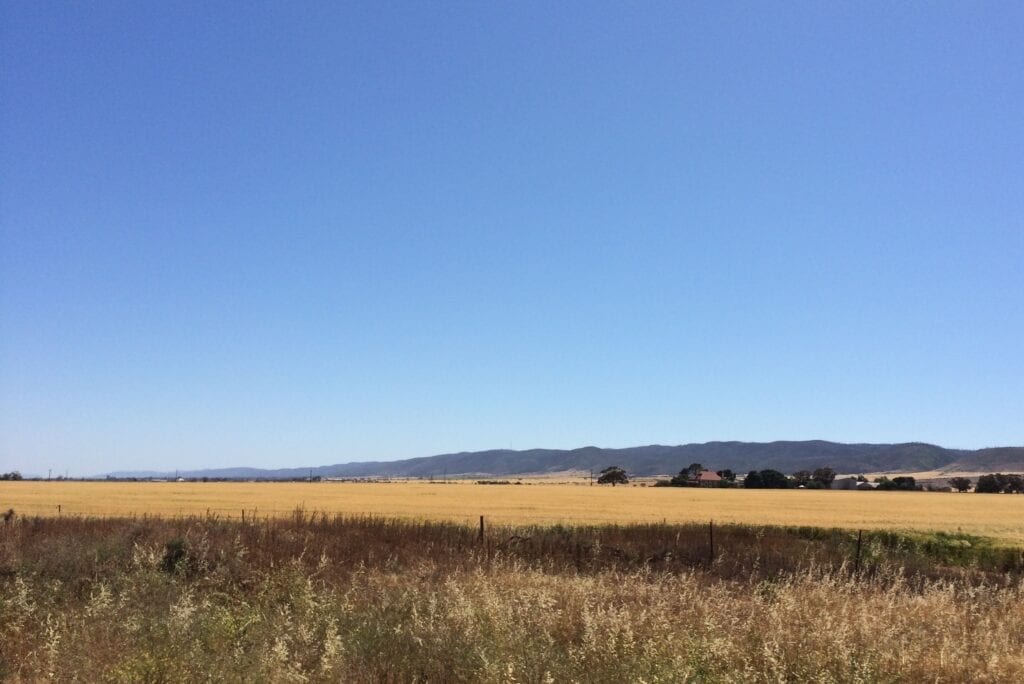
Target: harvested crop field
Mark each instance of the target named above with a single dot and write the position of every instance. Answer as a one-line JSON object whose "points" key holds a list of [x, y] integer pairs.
{"points": [[997, 516]]}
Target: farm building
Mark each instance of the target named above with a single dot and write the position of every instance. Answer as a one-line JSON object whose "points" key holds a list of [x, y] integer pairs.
{"points": [[708, 478]]}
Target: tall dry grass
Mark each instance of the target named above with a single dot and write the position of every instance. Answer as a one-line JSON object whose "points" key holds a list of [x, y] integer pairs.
{"points": [[333, 599]]}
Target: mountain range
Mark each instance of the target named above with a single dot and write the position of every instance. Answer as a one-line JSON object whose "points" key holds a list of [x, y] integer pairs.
{"points": [[652, 460]]}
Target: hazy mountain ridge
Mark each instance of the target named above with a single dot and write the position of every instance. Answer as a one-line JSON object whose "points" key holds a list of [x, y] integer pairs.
{"points": [[786, 456], [995, 459]]}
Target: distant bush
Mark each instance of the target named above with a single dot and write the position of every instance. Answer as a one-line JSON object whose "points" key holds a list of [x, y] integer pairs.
{"points": [[766, 479]]}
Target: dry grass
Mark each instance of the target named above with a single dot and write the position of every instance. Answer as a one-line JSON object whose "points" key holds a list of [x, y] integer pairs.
{"points": [[997, 516], [295, 599]]}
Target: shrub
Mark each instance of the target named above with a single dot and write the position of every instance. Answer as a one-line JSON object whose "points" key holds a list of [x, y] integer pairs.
{"points": [[175, 552]]}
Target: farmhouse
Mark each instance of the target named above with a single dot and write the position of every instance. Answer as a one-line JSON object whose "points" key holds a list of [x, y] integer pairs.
{"points": [[708, 478]]}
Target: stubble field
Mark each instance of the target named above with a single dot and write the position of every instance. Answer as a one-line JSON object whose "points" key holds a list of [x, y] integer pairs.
{"points": [[1000, 517]]}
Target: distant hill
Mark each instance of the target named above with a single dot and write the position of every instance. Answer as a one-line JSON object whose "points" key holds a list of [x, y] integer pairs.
{"points": [[994, 460], [655, 459]]}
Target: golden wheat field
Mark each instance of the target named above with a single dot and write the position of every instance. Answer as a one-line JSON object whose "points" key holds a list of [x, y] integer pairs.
{"points": [[999, 516]]}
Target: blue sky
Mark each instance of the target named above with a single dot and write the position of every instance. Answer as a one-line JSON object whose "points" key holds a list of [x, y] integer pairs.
{"points": [[284, 235]]}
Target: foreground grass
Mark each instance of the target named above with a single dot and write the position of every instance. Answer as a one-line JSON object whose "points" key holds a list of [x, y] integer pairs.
{"points": [[988, 515], [332, 599]]}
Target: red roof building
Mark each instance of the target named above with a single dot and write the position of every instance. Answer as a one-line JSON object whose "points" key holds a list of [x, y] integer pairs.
{"points": [[708, 478]]}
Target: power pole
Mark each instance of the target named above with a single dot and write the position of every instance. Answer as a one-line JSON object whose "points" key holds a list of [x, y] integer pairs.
{"points": [[591, 477]]}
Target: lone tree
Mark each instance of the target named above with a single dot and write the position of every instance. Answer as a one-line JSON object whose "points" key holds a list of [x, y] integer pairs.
{"points": [[960, 484], [613, 475]]}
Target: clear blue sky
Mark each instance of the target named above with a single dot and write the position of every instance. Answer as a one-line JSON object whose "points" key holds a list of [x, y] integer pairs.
{"points": [[294, 234]]}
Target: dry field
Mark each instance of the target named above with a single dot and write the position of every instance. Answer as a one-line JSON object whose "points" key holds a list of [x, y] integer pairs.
{"points": [[998, 516]]}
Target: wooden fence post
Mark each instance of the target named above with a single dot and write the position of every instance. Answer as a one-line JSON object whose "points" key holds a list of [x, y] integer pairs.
{"points": [[481, 529], [856, 562], [711, 541]]}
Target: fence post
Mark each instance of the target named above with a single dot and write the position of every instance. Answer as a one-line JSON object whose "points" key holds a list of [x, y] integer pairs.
{"points": [[856, 562], [481, 529], [711, 541]]}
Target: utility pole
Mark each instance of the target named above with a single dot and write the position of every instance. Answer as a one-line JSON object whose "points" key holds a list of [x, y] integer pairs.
{"points": [[591, 477], [49, 473]]}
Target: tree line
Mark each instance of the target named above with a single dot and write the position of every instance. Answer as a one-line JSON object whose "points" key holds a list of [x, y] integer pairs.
{"points": [[819, 478], [993, 483], [691, 476]]}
